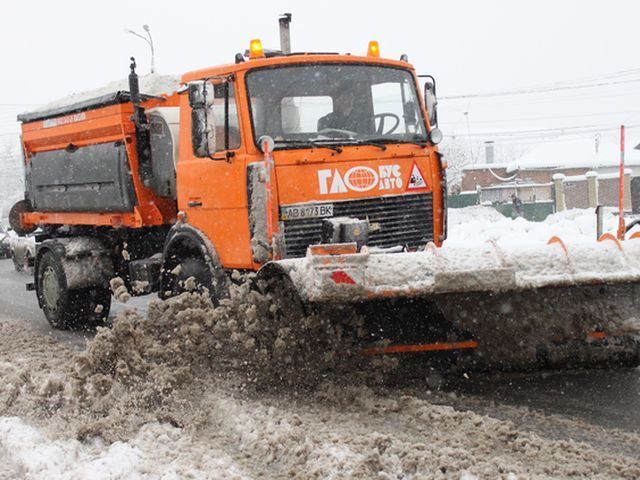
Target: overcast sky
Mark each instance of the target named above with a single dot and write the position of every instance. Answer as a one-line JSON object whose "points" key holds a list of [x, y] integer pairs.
{"points": [[53, 48]]}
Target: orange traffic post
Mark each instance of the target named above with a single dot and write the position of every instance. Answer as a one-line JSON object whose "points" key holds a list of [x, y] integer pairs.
{"points": [[621, 225]]}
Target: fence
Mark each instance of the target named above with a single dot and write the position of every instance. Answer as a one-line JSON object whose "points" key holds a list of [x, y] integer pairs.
{"points": [[537, 199], [463, 199], [590, 190]]}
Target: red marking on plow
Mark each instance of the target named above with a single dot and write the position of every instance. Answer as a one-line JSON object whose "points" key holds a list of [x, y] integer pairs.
{"points": [[342, 277]]}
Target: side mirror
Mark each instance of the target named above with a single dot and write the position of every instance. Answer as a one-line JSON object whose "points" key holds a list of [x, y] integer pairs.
{"points": [[200, 94], [203, 132], [431, 100]]}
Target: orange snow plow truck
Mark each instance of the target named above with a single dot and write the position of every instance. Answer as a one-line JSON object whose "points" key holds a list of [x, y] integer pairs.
{"points": [[318, 170]]}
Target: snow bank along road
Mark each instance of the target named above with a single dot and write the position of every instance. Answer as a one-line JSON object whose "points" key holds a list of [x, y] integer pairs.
{"points": [[148, 399]]}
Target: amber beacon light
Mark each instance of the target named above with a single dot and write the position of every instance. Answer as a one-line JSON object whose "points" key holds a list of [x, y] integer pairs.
{"points": [[255, 49], [374, 49]]}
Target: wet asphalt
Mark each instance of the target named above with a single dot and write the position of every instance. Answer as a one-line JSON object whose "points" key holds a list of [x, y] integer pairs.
{"points": [[18, 303], [604, 397]]}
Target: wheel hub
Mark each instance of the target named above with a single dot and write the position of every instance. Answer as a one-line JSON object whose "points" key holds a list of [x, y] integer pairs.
{"points": [[50, 288]]}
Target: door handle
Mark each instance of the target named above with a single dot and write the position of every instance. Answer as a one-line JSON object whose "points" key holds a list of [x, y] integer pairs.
{"points": [[194, 203]]}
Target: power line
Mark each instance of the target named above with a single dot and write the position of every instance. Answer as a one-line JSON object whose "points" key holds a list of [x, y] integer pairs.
{"points": [[553, 117], [549, 131], [563, 83], [551, 97], [527, 91], [587, 137], [593, 78]]}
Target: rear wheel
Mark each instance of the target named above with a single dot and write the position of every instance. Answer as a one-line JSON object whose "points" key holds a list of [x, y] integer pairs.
{"points": [[65, 308]]}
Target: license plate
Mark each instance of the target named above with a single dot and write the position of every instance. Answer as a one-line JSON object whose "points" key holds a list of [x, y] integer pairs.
{"points": [[307, 211]]}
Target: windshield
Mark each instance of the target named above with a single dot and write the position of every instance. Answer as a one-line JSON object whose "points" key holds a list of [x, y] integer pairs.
{"points": [[335, 104]]}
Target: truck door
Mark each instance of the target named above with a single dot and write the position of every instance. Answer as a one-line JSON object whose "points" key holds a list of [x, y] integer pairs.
{"points": [[212, 185]]}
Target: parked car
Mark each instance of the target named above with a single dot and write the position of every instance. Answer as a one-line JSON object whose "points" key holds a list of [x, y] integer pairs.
{"points": [[5, 246], [23, 250]]}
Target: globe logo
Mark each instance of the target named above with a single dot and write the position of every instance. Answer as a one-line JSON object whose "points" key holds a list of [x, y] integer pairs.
{"points": [[361, 179]]}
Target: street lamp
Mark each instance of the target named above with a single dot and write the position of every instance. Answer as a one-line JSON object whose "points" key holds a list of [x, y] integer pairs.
{"points": [[148, 40]]}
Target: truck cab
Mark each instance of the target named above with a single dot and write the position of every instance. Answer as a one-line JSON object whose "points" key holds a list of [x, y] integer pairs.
{"points": [[350, 156]]}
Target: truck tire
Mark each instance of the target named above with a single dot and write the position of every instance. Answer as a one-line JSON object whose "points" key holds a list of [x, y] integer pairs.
{"points": [[20, 207], [64, 308], [191, 267]]}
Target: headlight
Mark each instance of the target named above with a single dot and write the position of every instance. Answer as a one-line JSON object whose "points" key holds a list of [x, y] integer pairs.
{"points": [[435, 136]]}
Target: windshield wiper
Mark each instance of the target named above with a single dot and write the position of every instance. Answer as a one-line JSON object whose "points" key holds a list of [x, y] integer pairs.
{"points": [[354, 141], [311, 143], [382, 145], [417, 141], [373, 143]]}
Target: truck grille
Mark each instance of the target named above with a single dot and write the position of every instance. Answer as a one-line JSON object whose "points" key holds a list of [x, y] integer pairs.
{"points": [[404, 220]]}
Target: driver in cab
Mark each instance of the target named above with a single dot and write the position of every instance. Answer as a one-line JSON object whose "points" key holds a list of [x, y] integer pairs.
{"points": [[344, 115]]}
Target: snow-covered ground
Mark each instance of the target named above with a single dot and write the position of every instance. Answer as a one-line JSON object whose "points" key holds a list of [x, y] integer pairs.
{"points": [[474, 225], [148, 400]]}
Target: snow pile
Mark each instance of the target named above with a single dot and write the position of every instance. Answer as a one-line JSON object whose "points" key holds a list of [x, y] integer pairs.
{"points": [[264, 338], [212, 429], [471, 226], [155, 444], [150, 84]]}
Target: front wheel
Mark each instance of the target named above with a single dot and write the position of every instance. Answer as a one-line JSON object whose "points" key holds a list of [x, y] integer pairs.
{"points": [[65, 308], [192, 273]]}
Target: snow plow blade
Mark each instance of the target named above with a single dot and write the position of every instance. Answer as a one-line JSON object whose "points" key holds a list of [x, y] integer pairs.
{"points": [[522, 303]]}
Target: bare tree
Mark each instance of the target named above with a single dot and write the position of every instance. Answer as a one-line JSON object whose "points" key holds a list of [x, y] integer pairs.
{"points": [[11, 176], [458, 154]]}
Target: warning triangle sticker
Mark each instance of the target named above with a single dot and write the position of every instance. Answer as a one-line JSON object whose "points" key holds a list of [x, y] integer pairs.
{"points": [[416, 180]]}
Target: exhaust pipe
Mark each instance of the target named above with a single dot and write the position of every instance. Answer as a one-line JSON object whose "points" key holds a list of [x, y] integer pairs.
{"points": [[285, 37]]}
